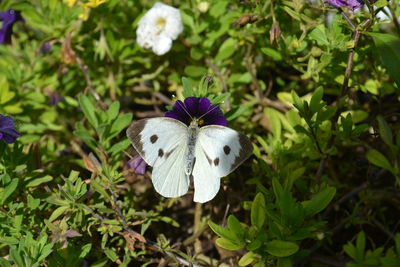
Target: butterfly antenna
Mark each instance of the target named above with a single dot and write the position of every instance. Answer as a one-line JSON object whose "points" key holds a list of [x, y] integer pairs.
{"points": [[184, 108], [208, 111]]}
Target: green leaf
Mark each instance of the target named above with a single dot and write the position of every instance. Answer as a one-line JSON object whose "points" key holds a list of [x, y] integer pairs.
{"points": [[222, 231], [385, 131], [119, 124], [388, 46], [258, 211], [281, 248], [57, 212], [380, 3], [4, 263], [277, 187], [275, 55], [111, 254], [319, 202], [247, 258], [88, 109], [120, 146], [113, 110], [38, 181], [284, 262], [319, 35], [315, 102], [227, 244], [32, 203], [187, 87], [273, 117], [235, 226], [360, 245], [85, 250], [297, 102], [378, 159], [350, 250], [195, 71], [8, 190], [227, 49]]}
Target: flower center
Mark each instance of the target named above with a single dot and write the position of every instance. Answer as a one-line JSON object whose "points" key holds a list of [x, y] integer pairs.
{"points": [[160, 25]]}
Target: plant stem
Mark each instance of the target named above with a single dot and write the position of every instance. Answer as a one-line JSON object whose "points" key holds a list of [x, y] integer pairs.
{"points": [[350, 60]]}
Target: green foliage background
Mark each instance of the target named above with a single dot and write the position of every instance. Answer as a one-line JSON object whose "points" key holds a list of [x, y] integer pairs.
{"points": [[317, 94]]}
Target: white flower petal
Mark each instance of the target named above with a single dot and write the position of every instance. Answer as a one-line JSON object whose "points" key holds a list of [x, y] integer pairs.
{"points": [[162, 45], [158, 27]]}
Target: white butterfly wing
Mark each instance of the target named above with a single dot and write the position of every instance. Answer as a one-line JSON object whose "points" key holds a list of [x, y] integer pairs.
{"points": [[161, 142], [219, 151], [206, 182]]}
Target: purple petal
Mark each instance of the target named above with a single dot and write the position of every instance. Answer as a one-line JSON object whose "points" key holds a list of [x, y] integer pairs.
{"points": [[204, 106], [72, 233], [54, 98], [177, 112], [6, 122], [138, 165], [9, 18], [219, 121], [10, 135], [351, 4], [197, 107], [7, 131]]}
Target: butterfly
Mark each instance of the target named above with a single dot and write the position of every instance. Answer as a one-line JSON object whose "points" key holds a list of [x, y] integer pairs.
{"points": [[180, 153]]}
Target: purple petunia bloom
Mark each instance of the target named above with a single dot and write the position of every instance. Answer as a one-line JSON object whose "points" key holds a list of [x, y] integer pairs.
{"points": [[8, 17], [197, 107], [54, 98], [45, 48], [7, 131], [351, 4], [137, 164]]}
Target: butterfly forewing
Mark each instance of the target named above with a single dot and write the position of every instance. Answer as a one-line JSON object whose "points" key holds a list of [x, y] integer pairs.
{"points": [[161, 142], [224, 148], [155, 139]]}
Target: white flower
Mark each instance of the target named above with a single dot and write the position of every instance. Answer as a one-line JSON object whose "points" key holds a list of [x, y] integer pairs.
{"points": [[158, 27]]}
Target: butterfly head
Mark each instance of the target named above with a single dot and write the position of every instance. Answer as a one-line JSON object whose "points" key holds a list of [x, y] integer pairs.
{"points": [[197, 111], [197, 122]]}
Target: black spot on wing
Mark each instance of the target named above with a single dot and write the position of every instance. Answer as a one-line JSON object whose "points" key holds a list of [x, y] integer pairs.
{"points": [[160, 153], [208, 158], [169, 153], [216, 161], [227, 150], [153, 138]]}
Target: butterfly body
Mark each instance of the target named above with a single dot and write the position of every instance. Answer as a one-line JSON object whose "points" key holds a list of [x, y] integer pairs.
{"points": [[193, 131], [177, 152]]}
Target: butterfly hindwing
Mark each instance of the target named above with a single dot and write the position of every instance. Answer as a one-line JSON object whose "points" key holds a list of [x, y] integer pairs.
{"points": [[206, 181], [161, 142]]}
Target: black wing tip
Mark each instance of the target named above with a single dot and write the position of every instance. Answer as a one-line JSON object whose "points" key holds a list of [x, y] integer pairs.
{"points": [[134, 135], [246, 149]]}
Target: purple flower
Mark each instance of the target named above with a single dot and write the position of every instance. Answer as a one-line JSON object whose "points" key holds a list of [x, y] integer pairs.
{"points": [[45, 48], [351, 4], [54, 98], [137, 164], [7, 131], [197, 107], [8, 17]]}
